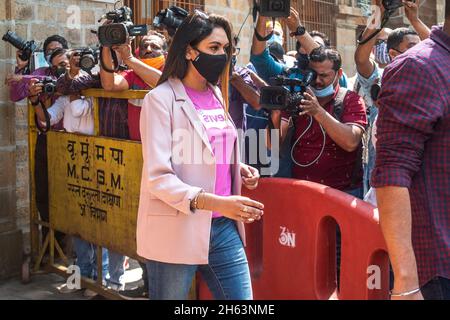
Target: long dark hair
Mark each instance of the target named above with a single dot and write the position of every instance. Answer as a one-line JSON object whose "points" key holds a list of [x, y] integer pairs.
{"points": [[195, 28]]}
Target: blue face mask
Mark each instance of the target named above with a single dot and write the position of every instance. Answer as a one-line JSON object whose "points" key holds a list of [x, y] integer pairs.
{"points": [[275, 38], [325, 92]]}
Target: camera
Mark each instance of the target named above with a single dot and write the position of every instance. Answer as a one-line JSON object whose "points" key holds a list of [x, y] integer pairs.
{"points": [[121, 28], [392, 5], [275, 8], [88, 58], [27, 47], [49, 85], [170, 18], [279, 97]]}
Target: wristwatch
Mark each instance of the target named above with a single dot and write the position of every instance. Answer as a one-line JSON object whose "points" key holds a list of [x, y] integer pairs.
{"points": [[300, 31]]}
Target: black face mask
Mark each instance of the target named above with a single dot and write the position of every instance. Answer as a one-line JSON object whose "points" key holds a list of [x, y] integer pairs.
{"points": [[302, 61], [58, 71], [210, 66]]}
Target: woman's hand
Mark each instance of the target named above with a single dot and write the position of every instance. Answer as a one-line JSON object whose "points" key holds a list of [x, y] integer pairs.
{"points": [[250, 176], [239, 208]]}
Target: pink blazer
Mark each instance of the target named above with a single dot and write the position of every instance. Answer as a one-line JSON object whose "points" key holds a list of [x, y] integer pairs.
{"points": [[167, 230]]}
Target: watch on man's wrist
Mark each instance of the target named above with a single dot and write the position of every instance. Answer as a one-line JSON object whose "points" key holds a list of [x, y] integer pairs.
{"points": [[300, 31]]}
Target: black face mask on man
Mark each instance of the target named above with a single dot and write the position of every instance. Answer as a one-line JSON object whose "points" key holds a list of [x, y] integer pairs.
{"points": [[58, 71], [210, 66]]}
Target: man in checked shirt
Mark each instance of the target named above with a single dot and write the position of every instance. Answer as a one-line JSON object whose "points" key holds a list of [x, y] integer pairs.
{"points": [[412, 171]]}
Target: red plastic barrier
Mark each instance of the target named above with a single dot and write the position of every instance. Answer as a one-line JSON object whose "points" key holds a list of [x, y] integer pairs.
{"points": [[292, 250]]}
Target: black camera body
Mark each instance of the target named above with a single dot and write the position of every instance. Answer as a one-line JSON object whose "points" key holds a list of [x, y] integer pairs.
{"points": [[121, 29], [27, 47], [49, 85], [88, 58], [392, 5], [278, 97], [275, 8], [170, 18]]}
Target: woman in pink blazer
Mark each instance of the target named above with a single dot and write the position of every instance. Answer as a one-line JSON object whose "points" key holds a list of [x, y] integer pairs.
{"points": [[191, 215]]}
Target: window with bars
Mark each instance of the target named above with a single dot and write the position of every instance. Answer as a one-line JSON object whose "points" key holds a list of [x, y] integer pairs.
{"points": [[145, 10], [317, 15]]}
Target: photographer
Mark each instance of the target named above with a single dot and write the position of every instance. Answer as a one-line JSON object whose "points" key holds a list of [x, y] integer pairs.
{"points": [[18, 84], [387, 45], [143, 73], [326, 135]]}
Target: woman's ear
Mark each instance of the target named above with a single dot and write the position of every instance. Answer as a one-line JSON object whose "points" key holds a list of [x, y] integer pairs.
{"points": [[190, 53]]}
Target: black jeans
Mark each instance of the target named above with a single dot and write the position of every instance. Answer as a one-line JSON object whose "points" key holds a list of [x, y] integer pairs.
{"points": [[437, 289], [41, 184]]}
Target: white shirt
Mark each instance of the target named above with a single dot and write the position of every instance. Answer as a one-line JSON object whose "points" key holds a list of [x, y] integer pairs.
{"points": [[78, 115]]}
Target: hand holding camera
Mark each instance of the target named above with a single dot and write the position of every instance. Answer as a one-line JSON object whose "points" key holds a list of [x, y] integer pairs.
{"points": [[293, 21], [411, 10], [21, 64], [310, 105], [35, 89], [37, 86], [123, 51]]}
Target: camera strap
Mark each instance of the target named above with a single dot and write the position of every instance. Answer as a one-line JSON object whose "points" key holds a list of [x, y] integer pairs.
{"points": [[47, 120], [115, 61], [266, 38], [386, 16]]}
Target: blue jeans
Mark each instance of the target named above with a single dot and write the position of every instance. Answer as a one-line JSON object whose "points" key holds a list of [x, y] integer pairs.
{"points": [[116, 269], [437, 289], [87, 259], [357, 193], [112, 264], [227, 274], [369, 163]]}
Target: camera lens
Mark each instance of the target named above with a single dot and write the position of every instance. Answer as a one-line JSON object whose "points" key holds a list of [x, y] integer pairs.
{"points": [[277, 5], [87, 62]]}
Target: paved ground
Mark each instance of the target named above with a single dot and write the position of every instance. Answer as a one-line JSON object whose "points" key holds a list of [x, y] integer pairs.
{"points": [[43, 286]]}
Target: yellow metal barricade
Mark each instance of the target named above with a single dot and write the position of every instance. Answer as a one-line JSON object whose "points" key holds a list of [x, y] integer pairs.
{"points": [[94, 186]]}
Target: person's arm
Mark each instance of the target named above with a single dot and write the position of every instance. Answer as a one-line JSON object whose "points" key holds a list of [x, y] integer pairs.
{"points": [[80, 107], [279, 123], [364, 66], [394, 205], [258, 47], [259, 83], [347, 135], [148, 74], [111, 81], [412, 13], [306, 41], [250, 95], [406, 121], [55, 112]]}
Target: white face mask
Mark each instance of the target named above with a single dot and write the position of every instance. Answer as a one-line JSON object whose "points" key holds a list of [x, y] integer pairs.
{"points": [[381, 53], [325, 92]]}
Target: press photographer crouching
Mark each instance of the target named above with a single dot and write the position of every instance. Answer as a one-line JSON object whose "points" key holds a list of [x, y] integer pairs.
{"points": [[322, 143]]}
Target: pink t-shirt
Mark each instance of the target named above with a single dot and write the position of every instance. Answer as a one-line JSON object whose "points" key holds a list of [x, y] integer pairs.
{"points": [[222, 136]]}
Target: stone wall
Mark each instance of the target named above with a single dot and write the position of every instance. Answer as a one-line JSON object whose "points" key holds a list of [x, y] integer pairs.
{"points": [[31, 20], [236, 11]]}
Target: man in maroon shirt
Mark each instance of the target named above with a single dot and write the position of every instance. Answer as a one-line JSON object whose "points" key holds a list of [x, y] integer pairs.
{"points": [[412, 171], [325, 147]]}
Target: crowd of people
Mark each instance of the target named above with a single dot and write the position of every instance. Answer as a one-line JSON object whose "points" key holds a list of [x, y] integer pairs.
{"points": [[382, 136]]}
